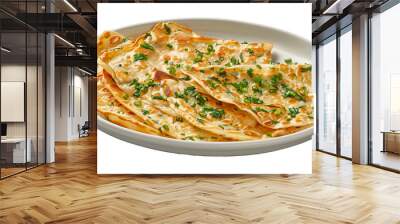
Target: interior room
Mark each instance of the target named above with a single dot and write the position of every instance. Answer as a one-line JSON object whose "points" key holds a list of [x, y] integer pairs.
{"points": [[48, 154], [385, 82], [47, 89], [334, 66], [72, 106], [22, 100]]}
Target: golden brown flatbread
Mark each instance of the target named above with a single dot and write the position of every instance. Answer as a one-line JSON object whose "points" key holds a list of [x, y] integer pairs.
{"points": [[170, 124], [277, 95], [113, 111], [187, 86], [172, 48]]}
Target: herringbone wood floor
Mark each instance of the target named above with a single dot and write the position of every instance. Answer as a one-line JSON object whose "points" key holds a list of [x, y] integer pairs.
{"points": [[69, 191]]}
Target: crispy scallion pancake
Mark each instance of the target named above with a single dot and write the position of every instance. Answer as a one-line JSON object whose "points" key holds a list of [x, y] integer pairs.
{"points": [[113, 111], [169, 124], [277, 95], [205, 112], [110, 40], [172, 82], [172, 48], [175, 98]]}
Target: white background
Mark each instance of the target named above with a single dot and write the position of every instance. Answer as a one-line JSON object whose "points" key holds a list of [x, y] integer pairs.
{"points": [[118, 157]]}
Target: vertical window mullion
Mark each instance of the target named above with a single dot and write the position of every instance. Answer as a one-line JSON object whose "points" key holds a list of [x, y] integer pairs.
{"points": [[338, 73], [26, 87], [37, 89], [369, 78], [316, 96]]}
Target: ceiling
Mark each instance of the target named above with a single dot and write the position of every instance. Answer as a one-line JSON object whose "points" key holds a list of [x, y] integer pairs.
{"points": [[76, 25], [76, 20]]}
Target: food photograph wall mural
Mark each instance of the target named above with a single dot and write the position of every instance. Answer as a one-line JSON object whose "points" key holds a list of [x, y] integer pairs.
{"points": [[192, 88]]}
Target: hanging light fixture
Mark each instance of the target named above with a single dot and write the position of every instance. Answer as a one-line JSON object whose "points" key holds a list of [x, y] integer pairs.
{"points": [[64, 40], [5, 50], [70, 5]]}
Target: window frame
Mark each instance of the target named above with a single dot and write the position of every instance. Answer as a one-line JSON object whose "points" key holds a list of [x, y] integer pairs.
{"points": [[334, 37], [381, 9]]}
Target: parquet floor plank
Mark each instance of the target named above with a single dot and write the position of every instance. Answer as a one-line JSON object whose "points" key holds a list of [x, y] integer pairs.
{"points": [[70, 191]]}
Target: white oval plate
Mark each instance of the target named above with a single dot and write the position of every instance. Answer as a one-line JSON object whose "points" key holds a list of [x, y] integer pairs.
{"points": [[285, 46]]}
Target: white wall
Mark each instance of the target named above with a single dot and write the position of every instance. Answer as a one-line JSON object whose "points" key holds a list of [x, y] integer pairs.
{"points": [[61, 103], [70, 83], [34, 125], [80, 84], [12, 73]]}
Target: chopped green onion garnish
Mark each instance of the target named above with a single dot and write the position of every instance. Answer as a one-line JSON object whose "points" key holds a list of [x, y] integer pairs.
{"points": [[139, 57], [147, 46]]}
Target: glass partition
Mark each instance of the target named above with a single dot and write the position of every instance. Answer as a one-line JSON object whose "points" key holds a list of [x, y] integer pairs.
{"points": [[327, 96], [22, 77], [31, 97], [385, 90], [346, 93], [14, 145]]}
